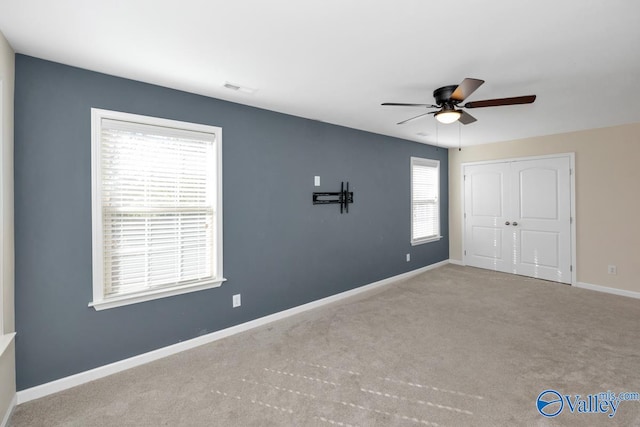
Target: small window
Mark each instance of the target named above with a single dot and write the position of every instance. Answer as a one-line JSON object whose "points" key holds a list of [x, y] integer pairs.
{"points": [[425, 200], [156, 206]]}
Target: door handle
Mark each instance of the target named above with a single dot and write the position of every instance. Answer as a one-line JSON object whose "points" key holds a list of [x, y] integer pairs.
{"points": [[507, 223], [515, 223]]}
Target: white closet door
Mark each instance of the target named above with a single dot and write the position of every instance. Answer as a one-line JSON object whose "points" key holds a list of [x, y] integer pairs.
{"points": [[542, 212], [517, 217], [487, 240]]}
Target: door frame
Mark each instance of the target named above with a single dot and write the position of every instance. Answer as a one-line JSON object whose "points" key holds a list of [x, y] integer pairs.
{"points": [[572, 162]]}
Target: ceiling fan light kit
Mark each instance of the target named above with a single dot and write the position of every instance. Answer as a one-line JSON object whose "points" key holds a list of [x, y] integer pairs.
{"points": [[449, 97], [448, 116]]}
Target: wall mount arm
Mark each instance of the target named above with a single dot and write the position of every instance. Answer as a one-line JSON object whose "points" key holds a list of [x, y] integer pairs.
{"points": [[342, 197]]}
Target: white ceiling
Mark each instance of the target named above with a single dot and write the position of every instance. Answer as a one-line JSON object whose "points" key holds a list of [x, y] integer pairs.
{"points": [[337, 60]]}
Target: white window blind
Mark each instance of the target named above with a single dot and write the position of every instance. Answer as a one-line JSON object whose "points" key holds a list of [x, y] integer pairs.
{"points": [[155, 182], [425, 205]]}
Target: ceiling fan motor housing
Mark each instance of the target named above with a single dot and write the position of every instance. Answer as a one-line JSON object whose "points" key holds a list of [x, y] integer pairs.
{"points": [[443, 95]]}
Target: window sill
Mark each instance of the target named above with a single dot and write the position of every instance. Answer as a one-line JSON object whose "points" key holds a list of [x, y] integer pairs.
{"points": [[421, 241], [151, 295], [5, 341]]}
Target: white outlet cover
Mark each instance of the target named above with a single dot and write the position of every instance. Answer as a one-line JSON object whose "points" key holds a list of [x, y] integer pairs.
{"points": [[316, 181], [236, 301], [408, 257]]}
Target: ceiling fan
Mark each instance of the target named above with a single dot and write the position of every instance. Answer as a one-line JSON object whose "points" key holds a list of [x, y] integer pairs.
{"points": [[449, 99]]}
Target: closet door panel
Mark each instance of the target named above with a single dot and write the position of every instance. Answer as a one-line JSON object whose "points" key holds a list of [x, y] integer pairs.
{"points": [[542, 210], [486, 201]]}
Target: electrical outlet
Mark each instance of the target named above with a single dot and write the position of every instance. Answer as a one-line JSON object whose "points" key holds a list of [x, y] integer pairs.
{"points": [[236, 301], [408, 257], [316, 181], [612, 269]]}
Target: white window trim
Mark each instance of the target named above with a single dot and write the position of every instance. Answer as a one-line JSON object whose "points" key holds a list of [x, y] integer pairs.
{"points": [[2, 142], [432, 163], [99, 301], [5, 338]]}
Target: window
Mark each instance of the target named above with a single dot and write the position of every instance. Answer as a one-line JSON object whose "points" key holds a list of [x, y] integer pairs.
{"points": [[157, 208], [425, 200]]}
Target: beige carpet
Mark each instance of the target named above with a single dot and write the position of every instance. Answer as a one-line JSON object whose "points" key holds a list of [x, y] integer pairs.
{"points": [[455, 346]]}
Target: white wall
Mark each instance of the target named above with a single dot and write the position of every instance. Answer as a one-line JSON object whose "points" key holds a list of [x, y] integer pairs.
{"points": [[7, 349], [607, 197]]}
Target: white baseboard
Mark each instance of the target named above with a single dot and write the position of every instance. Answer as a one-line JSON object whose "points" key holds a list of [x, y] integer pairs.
{"points": [[119, 366], [7, 415], [608, 290], [456, 262]]}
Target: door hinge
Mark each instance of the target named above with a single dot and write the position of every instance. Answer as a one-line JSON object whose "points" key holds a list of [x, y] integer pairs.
{"points": [[465, 215], [464, 177], [465, 252], [570, 220], [570, 171], [571, 268]]}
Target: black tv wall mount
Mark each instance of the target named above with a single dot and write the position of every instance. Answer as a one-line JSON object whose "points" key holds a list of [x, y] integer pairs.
{"points": [[342, 197]]}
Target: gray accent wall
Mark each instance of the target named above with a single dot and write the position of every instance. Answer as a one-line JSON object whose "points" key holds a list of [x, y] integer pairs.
{"points": [[280, 251]]}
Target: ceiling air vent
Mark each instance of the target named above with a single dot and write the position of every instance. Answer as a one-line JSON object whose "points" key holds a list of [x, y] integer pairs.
{"points": [[238, 88]]}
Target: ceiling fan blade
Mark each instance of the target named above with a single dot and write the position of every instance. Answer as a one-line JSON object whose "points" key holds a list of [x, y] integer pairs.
{"points": [[413, 118], [466, 118], [396, 104], [501, 101], [466, 88]]}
